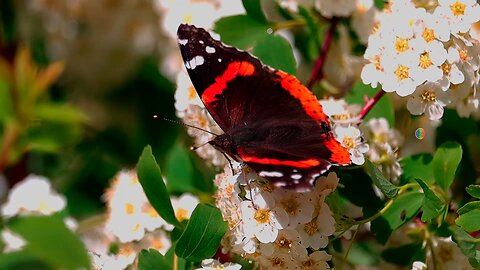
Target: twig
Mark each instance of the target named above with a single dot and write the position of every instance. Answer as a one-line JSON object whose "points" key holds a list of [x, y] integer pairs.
{"points": [[370, 103]]}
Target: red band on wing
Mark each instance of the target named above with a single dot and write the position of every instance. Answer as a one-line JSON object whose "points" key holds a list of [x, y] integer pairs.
{"points": [[340, 154], [233, 70], [309, 102], [307, 163]]}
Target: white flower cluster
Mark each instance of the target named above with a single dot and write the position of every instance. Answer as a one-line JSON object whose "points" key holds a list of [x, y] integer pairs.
{"points": [[345, 127], [384, 143], [275, 227], [427, 55]]}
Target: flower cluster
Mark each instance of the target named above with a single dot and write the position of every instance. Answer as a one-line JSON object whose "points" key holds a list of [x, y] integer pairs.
{"points": [[345, 121], [276, 227], [426, 55], [384, 143]]}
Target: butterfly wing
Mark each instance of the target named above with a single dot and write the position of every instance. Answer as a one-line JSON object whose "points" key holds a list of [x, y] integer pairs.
{"points": [[276, 124]]}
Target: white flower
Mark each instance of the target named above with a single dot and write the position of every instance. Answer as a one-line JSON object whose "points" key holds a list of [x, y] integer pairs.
{"points": [[157, 240], [278, 261], [430, 99], [350, 139], [339, 110], [326, 184], [316, 261], [184, 206], [12, 241], [460, 14], [419, 266], [430, 60], [403, 75], [374, 71], [330, 8], [211, 264], [262, 217], [363, 19], [288, 241], [34, 195], [299, 206], [315, 233], [449, 255]]}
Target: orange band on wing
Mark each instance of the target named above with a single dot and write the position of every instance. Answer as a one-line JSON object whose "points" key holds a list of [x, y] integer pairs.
{"points": [[233, 70], [307, 163], [340, 154], [309, 102]]}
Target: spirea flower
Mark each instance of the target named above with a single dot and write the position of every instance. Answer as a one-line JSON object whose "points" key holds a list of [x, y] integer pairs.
{"points": [[33, 195], [211, 264], [330, 8], [419, 266], [12, 241], [429, 99], [351, 139]]}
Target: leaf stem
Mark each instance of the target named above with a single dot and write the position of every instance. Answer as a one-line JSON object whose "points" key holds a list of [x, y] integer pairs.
{"points": [[175, 262], [317, 72], [432, 248], [370, 103], [288, 24]]}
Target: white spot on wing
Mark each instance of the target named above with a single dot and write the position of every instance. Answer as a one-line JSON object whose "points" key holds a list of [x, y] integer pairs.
{"points": [[209, 49], [270, 174], [195, 62], [219, 60], [183, 41], [201, 41], [296, 177]]}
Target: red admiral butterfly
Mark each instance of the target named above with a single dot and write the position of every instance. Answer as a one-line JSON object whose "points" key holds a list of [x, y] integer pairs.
{"points": [[271, 121]]}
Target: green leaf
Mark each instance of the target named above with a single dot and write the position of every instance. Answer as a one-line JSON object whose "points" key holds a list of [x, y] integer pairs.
{"points": [[5, 101], [254, 9], [49, 239], [179, 170], [404, 255], [382, 109], [445, 163], [151, 179], [241, 31], [364, 253], [379, 4], [402, 210], [276, 52], [379, 180], [152, 259], [467, 244], [468, 207], [203, 234], [469, 221], [59, 113], [474, 191], [418, 166], [432, 205]]}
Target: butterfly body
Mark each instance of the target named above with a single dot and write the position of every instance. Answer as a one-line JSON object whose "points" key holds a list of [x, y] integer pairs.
{"points": [[270, 120]]}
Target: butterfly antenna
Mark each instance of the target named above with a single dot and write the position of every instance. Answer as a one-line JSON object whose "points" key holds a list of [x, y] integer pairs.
{"points": [[194, 148], [186, 125]]}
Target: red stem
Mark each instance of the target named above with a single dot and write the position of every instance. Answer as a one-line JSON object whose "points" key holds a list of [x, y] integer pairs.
{"points": [[317, 73], [370, 103]]}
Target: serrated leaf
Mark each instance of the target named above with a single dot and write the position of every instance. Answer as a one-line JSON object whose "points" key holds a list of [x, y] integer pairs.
{"points": [[49, 239], [179, 170], [379, 180], [474, 191], [276, 52], [432, 205], [203, 234], [241, 31], [151, 179], [445, 163], [254, 9], [469, 221], [382, 109], [418, 166], [151, 259], [404, 255], [468, 207], [402, 210], [467, 244]]}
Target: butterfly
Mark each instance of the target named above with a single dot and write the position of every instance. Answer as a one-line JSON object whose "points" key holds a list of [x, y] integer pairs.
{"points": [[271, 122]]}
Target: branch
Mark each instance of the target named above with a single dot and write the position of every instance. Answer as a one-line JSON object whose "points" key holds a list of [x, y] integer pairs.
{"points": [[317, 73], [370, 103]]}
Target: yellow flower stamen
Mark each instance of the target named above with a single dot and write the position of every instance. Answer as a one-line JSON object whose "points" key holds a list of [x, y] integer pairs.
{"points": [[290, 205], [401, 45], [429, 96], [458, 8], [428, 34], [446, 67], [349, 142], [402, 72], [311, 227], [181, 214], [262, 215], [425, 61]]}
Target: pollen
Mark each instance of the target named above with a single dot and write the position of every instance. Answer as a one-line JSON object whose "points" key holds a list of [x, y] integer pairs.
{"points": [[446, 67], [349, 142], [463, 55], [277, 261], [429, 96], [283, 243], [262, 215], [192, 94], [129, 208], [290, 205], [401, 44], [311, 227], [402, 72], [425, 61], [377, 63], [428, 34], [181, 214], [458, 8]]}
